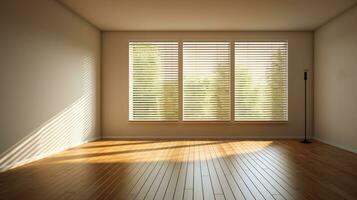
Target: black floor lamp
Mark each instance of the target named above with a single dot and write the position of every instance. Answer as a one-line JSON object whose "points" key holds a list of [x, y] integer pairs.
{"points": [[305, 139]]}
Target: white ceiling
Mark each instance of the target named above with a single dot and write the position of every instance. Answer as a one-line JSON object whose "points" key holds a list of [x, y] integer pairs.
{"points": [[208, 15]]}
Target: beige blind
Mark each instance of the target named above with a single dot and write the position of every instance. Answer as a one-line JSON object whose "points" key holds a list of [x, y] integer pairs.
{"points": [[206, 81], [153, 81], [261, 85]]}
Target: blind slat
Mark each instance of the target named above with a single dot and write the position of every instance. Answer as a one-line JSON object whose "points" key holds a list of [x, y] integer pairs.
{"points": [[260, 81], [153, 81], [206, 81], [261, 92]]}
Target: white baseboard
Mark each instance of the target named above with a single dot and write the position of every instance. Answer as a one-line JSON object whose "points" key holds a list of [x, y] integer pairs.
{"points": [[26, 161], [335, 145], [197, 137]]}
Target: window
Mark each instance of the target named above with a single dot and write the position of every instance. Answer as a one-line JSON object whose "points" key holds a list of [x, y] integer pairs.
{"points": [[206, 81], [209, 81], [153, 81], [261, 81]]}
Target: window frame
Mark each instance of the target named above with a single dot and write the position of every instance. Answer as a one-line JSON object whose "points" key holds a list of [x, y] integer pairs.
{"points": [[287, 83], [182, 85], [178, 82], [232, 83]]}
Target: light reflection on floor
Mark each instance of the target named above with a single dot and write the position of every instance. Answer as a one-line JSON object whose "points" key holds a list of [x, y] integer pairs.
{"points": [[119, 169], [122, 151]]}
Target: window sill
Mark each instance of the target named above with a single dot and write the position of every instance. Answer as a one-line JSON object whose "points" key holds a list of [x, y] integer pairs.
{"points": [[211, 122]]}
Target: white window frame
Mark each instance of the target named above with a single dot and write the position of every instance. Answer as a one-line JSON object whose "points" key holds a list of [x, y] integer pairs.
{"points": [[232, 82]]}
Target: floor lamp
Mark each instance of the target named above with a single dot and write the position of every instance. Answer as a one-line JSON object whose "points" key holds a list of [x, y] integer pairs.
{"points": [[305, 139]]}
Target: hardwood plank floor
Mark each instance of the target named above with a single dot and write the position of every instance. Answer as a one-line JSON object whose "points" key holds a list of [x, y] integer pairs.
{"points": [[187, 169]]}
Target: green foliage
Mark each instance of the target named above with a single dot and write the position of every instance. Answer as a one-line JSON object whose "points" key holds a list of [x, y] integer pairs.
{"points": [[261, 96], [257, 97], [276, 83], [209, 94], [151, 86], [248, 93]]}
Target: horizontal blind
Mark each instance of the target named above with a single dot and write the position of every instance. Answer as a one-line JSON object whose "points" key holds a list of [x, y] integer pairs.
{"points": [[206, 81], [153, 81], [261, 85]]}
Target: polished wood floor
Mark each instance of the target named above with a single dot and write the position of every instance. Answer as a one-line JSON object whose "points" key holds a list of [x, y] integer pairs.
{"points": [[187, 169]]}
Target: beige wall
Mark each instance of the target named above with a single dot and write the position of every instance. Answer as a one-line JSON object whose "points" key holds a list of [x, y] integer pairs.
{"points": [[115, 88], [49, 80], [335, 84]]}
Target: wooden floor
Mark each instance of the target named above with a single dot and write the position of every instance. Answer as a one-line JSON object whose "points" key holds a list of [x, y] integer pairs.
{"points": [[194, 169]]}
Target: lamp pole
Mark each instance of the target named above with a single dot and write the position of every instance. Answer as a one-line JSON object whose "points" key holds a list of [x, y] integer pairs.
{"points": [[305, 139]]}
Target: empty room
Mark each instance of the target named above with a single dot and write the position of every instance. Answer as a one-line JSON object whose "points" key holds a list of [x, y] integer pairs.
{"points": [[178, 99]]}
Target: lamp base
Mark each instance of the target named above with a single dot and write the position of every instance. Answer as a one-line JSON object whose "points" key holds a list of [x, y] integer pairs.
{"points": [[305, 141]]}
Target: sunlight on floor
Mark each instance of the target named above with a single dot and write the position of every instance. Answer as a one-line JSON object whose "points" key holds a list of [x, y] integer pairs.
{"points": [[152, 151]]}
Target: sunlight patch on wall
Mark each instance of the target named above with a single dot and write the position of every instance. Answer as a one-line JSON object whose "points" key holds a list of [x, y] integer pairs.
{"points": [[74, 125]]}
